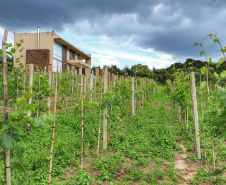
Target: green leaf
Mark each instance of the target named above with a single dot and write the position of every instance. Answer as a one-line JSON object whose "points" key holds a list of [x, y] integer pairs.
{"points": [[20, 100], [7, 141], [31, 107], [86, 152], [203, 97], [13, 50], [215, 40], [223, 74], [210, 61], [201, 53], [216, 75], [203, 70], [218, 172], [203, 85], [15, 113], [18, 44], [16, 137], [39, 123], [220, 62], [18, 167], [5, 127], [49, 117]]}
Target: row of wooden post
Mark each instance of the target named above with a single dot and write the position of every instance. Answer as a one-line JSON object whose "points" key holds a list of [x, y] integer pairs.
{"points": [[195, 119], [105, 81]]}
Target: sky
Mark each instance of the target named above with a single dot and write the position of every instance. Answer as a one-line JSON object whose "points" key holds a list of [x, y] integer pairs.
{"points": [[156, 33]]}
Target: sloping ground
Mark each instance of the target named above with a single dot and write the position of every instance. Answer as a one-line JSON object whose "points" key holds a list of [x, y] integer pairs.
{"points": [[140, 153], [149, 150]]}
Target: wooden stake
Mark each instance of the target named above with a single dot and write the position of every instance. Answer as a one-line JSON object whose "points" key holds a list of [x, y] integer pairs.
{"points": [[38, 95], [98, 139], [203, 128], [17, 90], [66, 108], [53, 131], [49, 98], [105, 111], [195, 112], [91, 87], [187, 123], [133, 105], [24, 80], [5, 91], [110, 113], [30, 84], [82, 147]]}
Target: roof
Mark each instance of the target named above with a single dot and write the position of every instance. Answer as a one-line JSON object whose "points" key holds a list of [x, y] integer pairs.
{"points": [[60, 40], [72, 47]]}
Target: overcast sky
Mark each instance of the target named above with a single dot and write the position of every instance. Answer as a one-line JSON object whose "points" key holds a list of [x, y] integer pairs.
{"points": [[124, 32]]}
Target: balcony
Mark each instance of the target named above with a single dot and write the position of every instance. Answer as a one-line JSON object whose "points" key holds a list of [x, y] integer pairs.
{"points": [[78, 64]]}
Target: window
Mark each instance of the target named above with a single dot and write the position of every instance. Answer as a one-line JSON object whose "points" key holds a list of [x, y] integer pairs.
{"points": [[57, 57], [76, 56], [68, 54], [68, 68]]}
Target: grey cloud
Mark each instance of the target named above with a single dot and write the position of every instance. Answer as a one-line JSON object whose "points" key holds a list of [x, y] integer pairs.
{"points": [[169, 26]]}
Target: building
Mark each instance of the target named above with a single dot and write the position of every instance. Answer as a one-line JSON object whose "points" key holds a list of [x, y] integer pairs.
{"points": [[47, 49]]}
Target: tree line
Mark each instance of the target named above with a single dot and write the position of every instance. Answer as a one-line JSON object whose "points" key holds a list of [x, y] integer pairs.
{"points": [[161, 75]]}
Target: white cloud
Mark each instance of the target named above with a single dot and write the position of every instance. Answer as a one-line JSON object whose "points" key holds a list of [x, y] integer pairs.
{"points": [[107, 56], [105, 60], [149, 50]]}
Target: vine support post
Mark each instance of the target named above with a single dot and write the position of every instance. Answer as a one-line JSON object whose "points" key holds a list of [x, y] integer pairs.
{"points": [[203, 127], [24, 80], [5, 91], [110, 83], [98, 139], [133, 105], [30, 84], [187, 123], [53, 131], [82, 111], [91, 87], [38, 95], [179, 112], [49, 97], [212, 141], [105, 110], [195, 112]]}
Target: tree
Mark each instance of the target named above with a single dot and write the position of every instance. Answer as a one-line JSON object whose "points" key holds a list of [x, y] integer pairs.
{"points": [[141, 70]]}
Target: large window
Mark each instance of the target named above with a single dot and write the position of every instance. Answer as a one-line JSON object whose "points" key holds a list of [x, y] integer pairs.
{"points": [[57, 57], [76, 56], [68, 54]]}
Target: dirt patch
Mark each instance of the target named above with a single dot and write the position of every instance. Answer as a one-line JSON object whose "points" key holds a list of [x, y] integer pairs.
{"points": [[154, 104], [185, 167]]}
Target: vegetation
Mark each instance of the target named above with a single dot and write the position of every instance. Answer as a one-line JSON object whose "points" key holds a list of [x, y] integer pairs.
{"points": [[141, 148]]}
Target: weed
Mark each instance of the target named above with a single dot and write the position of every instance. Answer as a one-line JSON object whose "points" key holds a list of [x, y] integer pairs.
{"points": [[83, 178]]}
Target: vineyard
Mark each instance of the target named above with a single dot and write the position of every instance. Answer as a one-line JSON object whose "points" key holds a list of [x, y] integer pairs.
{"points": [[62, 128]]}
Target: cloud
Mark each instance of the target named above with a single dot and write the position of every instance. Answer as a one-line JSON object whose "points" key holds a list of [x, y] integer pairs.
{"points": [[102, 60], [107, 56], [170, 27]]}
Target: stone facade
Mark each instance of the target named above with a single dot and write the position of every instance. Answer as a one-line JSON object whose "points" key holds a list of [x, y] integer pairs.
{"points": [[64, 59], [39, 57]]}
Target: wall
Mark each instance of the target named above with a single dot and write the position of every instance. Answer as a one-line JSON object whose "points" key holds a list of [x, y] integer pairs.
{"points": [[30, 43], [39, 57]]}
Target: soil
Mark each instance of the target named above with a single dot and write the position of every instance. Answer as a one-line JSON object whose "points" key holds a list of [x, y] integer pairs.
{"points": [[185, 167]]}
